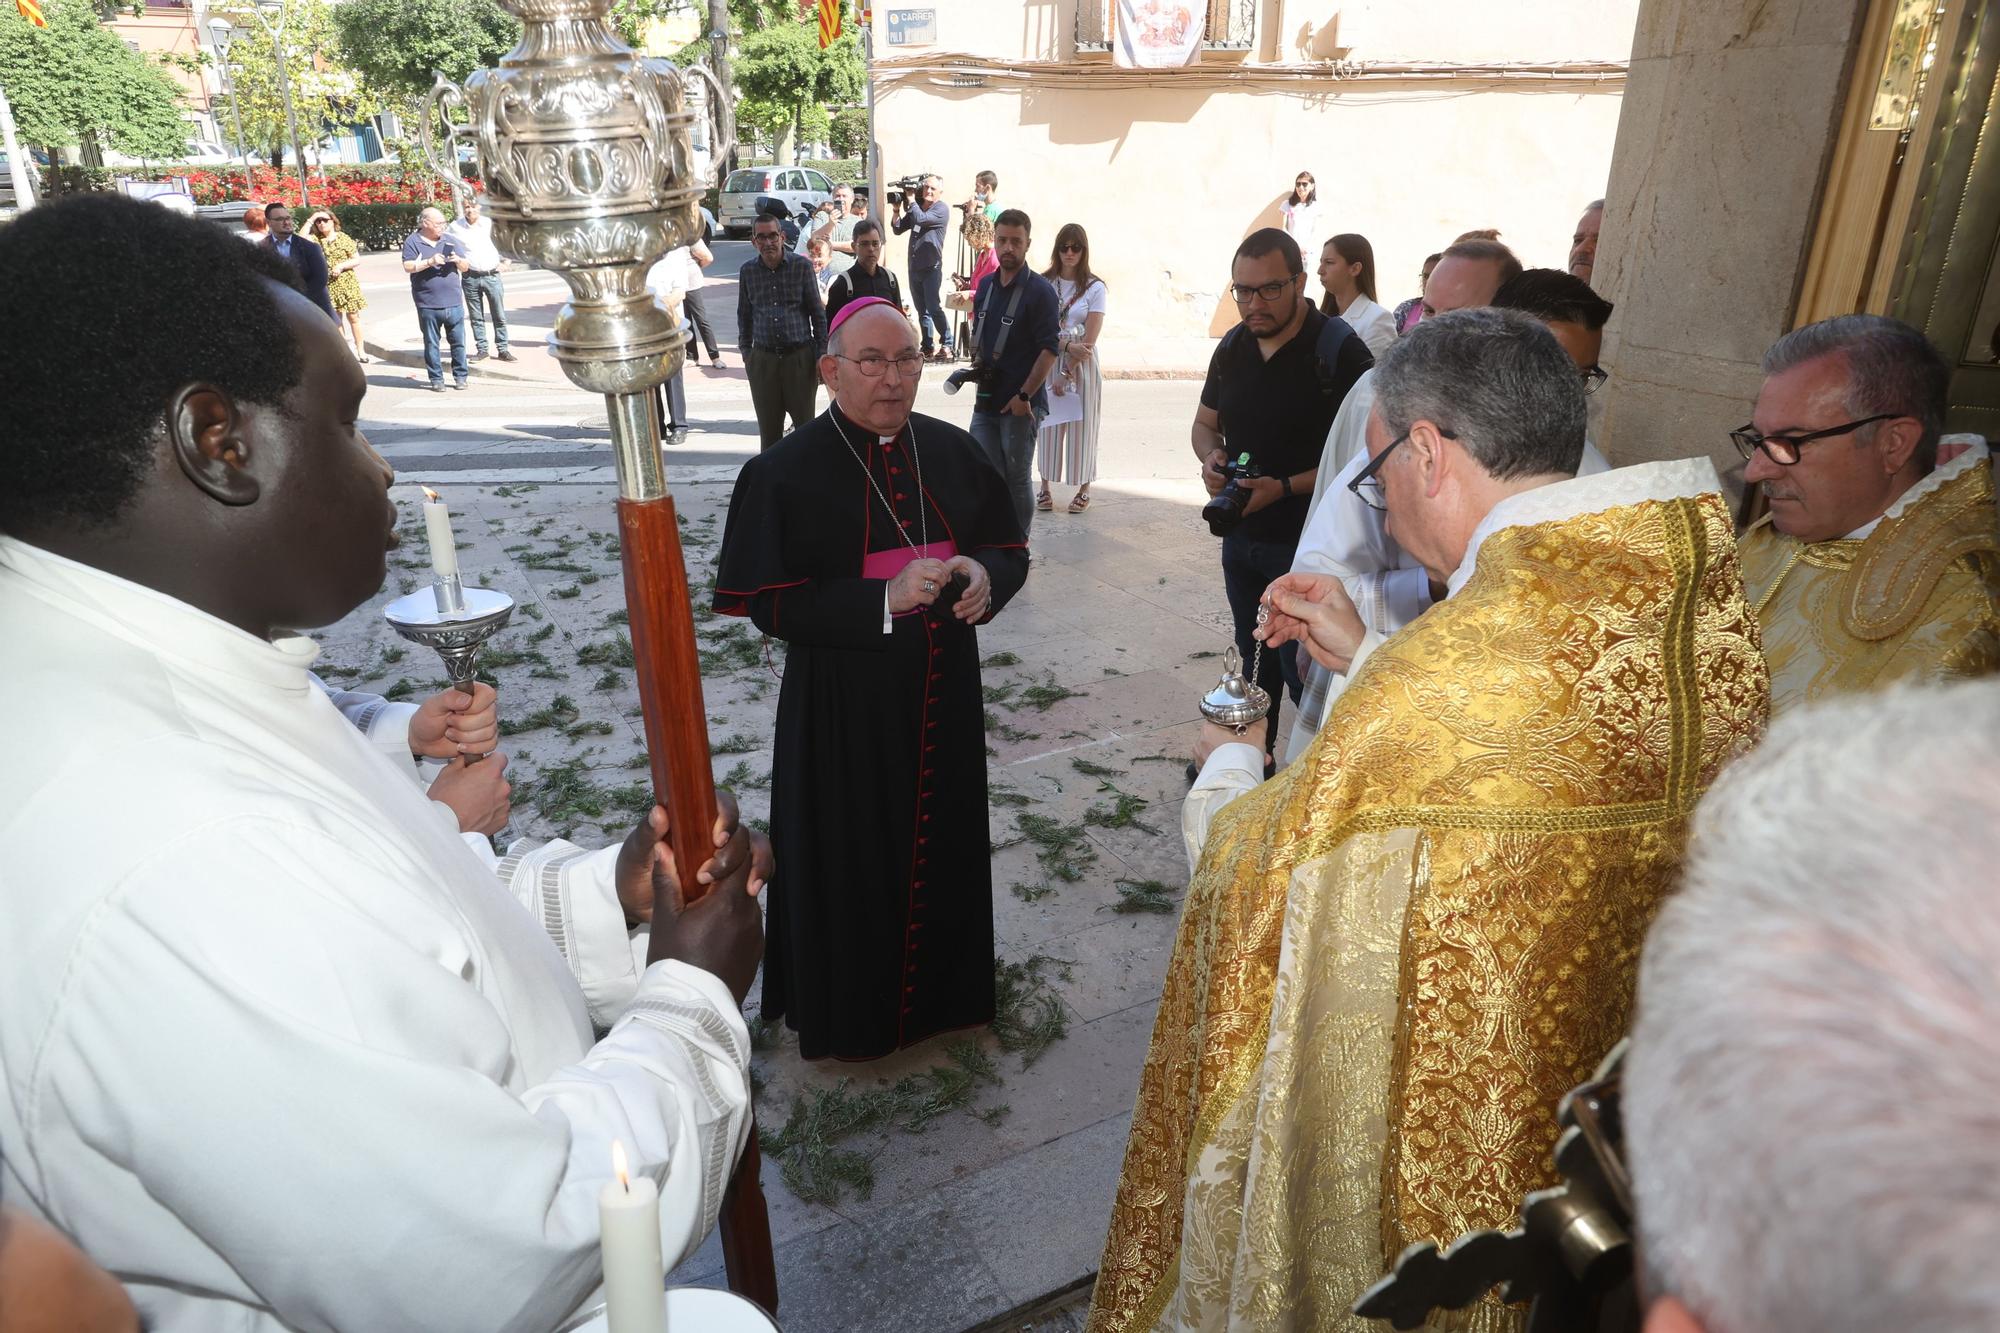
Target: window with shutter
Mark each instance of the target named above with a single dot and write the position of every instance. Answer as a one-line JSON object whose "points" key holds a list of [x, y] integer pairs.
{"points": [[1229, 25]]}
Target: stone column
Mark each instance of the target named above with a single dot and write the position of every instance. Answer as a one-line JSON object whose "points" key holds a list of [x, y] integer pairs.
{"points": [[1730, 116]]}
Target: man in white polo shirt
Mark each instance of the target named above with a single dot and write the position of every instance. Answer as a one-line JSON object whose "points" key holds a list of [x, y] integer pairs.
{"points": [[483, 289]]}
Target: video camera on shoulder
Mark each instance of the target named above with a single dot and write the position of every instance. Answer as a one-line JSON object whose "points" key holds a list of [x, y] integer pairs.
{"points": [[903, 187], [1225, 511]]}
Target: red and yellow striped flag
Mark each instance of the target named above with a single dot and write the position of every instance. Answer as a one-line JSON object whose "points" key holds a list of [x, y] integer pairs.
{"points": [[829, 21], [33, 13]]}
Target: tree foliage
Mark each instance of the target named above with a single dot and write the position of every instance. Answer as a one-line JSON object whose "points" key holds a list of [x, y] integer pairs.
{"points": [[849, 132], [74, 83], [785, 79], [326, 95], [396, 45]]}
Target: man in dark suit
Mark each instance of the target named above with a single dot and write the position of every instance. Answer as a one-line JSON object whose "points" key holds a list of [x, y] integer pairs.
{"points": [[305, 255]]}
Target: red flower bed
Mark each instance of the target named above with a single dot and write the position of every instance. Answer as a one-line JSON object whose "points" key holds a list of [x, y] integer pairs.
{"points": [[385, 184]]}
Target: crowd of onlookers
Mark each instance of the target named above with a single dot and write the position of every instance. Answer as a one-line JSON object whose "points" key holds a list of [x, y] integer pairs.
{"points": [[1034, 364], [454, 269]]}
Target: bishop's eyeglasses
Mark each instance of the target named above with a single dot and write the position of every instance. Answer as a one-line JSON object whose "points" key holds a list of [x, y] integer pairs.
{"points": [[1783, 448], [874, 365]]}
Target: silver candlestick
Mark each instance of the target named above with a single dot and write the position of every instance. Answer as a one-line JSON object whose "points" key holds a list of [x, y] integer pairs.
{"points": [[455, 635]]}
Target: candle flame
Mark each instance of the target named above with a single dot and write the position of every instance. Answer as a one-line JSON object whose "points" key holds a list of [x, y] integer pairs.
{"points": [[618, 1166], [430, 495]]}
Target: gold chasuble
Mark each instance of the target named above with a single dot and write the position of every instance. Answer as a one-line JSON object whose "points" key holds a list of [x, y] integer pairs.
{"points": [[1399, 953], [1918, 597]]}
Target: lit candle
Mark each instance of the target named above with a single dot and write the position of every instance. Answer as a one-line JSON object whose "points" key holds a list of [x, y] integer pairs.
{"points": [[635, 1278], [437, 526]]}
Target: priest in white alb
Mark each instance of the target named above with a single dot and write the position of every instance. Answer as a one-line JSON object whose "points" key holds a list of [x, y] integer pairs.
{"points": [[279, 1049]]}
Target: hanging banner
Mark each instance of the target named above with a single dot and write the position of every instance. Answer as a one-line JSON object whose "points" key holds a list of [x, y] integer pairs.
{"points": [[829, 23], [1157, 34]]}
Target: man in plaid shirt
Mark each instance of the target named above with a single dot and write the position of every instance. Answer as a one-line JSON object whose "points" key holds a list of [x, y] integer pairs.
{"points": [[781, 331]]}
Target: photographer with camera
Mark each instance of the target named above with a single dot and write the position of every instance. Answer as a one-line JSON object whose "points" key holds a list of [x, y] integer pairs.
{"points": [[1274, 384], [925, 217], [1014, 352]]}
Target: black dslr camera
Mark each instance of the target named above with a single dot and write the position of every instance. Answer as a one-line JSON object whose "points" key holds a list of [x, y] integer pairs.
{"points": [[1225, 511], [978, 376]]}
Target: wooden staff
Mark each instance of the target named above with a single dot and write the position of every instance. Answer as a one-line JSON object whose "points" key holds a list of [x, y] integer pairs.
{"points": [[668, 667]]}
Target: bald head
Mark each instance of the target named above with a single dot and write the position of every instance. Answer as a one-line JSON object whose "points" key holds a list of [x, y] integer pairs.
{"points": [[1461, 283], [875, 326], [880, 339], [431, 223]]}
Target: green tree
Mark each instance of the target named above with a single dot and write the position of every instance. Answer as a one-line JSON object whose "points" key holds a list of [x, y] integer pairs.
{"points": [[785, 79], [327, 96], [849, 133], [396, 45], [75, 84]]}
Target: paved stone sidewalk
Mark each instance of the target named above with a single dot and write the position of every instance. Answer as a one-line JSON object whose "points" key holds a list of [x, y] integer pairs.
{"points": [[993, 1192]]}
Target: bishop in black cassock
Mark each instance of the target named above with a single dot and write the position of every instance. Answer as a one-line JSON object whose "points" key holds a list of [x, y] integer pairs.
{"points": [[851, 540]]}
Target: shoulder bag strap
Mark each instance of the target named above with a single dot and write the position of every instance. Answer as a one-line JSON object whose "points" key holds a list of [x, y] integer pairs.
{"points": [[1007, 316]]}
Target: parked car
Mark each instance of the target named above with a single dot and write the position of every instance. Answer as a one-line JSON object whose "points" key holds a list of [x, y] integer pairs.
{"points": [[206, 152], [798, 187], [171, 194], [38, 173]]}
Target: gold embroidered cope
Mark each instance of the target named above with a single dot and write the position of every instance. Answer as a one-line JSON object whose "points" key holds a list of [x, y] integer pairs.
{"points": [[1917, 599], [1398, 954]]}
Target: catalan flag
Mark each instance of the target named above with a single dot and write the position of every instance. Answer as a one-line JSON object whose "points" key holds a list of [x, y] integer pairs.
{"points": [[32, 12], [829, 21]]}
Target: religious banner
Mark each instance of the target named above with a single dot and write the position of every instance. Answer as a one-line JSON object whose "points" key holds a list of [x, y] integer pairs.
{"points": [[1157, 34]]}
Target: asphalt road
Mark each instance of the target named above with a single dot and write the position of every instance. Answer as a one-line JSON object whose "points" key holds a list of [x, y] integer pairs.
{"points": [[505, 426]]}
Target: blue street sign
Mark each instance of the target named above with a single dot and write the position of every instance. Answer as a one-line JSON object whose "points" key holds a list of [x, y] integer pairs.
{"points": [[912, 27]]}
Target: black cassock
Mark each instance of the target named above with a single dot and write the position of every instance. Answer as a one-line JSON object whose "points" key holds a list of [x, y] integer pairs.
{"points": [[880, 915]]}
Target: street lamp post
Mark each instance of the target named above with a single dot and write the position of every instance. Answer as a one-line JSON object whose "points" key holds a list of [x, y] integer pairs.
{"points": [[277, 35], [221, 29]]}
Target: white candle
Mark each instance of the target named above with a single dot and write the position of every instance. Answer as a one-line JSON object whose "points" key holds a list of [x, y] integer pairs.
{"points": [[635, 1278], [437, 527]]}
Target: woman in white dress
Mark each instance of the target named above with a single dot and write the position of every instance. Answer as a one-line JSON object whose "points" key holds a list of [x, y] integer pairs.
{"points": [[1068, 449], [1347, 271], [1301, 210]]}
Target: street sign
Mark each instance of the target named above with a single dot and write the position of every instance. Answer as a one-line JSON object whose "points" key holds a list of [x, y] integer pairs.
{"points": [[912, 27]]}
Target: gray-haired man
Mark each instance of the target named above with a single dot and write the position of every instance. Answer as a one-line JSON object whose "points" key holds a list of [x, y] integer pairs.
{"points": [[435, 262], [1430, 922], [781, 331], [1879, 560], [1810, 1095]]}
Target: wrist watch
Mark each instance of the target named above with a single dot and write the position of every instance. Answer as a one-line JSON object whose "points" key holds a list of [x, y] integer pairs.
{"points": [[1285, 484], [1024, 396]]}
